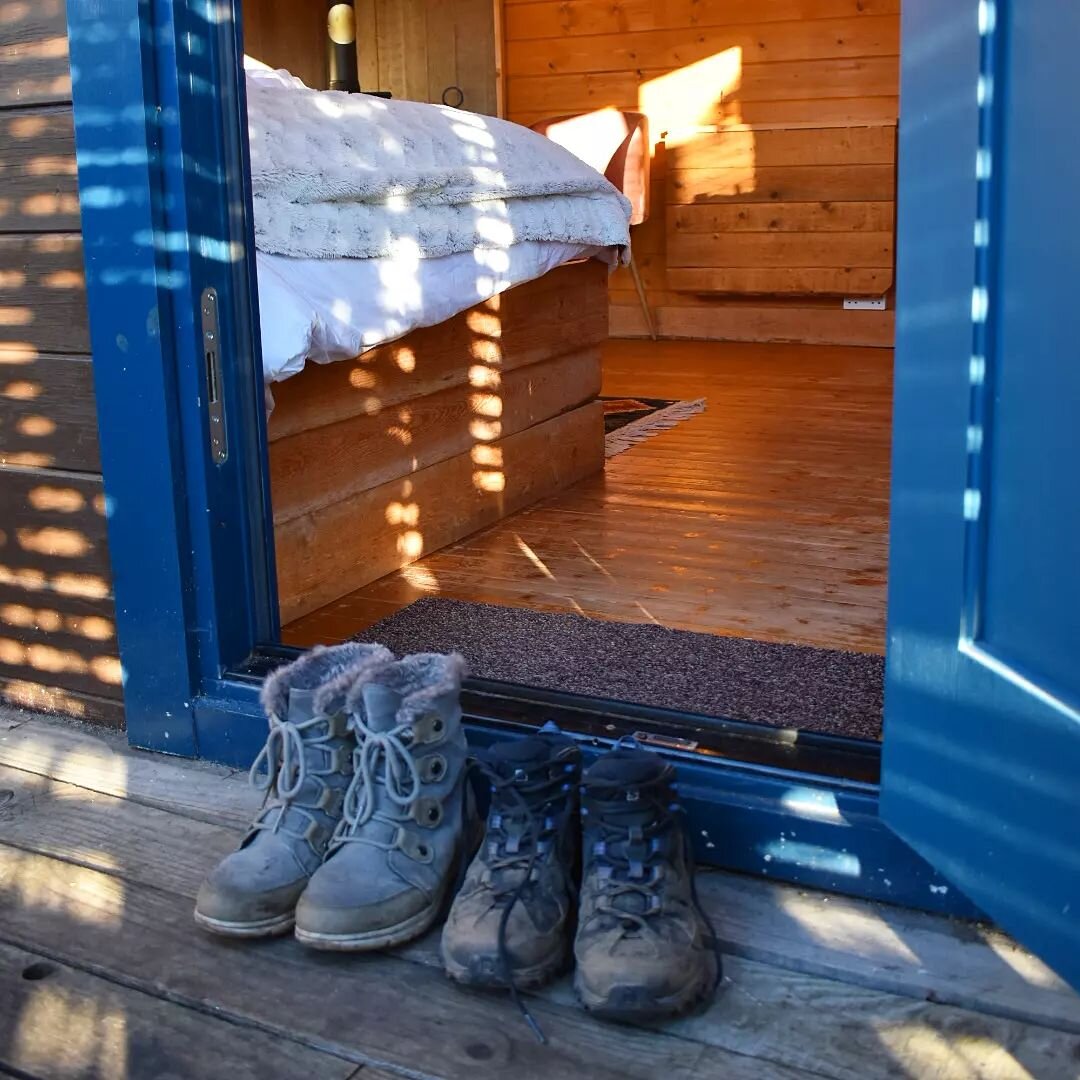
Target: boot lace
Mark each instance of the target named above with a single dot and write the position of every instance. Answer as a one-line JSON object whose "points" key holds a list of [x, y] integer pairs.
{"points": [[631, 855], [281, 769], [522, 831], [381, 758]]}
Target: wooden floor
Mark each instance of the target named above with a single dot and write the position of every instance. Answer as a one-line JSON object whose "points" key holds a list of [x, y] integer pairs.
{"points": [[103, 974], [766, 516]]}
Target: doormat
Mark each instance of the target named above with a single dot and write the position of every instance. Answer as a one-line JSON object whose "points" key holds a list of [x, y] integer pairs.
{"points": [[628, 421], [789, 686]]}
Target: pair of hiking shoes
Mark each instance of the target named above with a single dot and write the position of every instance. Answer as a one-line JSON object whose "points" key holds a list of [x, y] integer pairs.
{"points": [[369, 823]]}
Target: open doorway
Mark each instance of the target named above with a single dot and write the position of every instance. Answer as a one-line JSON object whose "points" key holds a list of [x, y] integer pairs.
{"points": [[668, 488]]}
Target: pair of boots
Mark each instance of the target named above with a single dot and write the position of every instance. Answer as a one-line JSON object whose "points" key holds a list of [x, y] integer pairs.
{"points": [[364, 824], [642, 946]]}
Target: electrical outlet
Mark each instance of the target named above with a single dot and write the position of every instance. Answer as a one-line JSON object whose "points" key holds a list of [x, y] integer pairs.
{"points": [[876, 304]]}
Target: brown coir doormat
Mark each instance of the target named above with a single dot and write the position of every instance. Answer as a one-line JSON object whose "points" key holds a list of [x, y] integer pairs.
{"points": [[790, 686]]}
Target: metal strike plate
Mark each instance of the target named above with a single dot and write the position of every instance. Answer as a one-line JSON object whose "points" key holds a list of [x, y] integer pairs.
{"points": [[215, 407], [665, 742]]}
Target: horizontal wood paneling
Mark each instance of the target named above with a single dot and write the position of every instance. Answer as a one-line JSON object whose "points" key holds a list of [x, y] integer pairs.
{"points": [[864, 35], [38, 177], [738, 169], [555, 314], [782, 217], [33, 52], [56, 611], [365, 451], [43, 295], [47, 413], [772, 66], [58, 649], [532, 19], [323, 555]]}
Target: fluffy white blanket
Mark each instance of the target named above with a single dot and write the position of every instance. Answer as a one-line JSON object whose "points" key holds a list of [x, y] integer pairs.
{"points": [[350, 175]]}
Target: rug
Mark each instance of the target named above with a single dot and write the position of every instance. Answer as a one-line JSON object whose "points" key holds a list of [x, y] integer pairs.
{"points": [[628, 421], [789, 686]]}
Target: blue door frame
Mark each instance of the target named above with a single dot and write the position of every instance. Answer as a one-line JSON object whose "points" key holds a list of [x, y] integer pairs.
{"points": [[159, 107]]}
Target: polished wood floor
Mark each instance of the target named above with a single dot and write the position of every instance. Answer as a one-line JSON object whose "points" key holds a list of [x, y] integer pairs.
{"points": [[766, 516]]}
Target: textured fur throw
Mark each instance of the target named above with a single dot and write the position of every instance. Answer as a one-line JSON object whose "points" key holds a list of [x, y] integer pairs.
{"points": [[349, 175]]}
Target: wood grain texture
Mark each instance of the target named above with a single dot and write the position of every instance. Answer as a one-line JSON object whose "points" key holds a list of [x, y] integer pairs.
{"points": [[38, 183], [314, 468], [418, 49], [766, 516], [56, 625], [33, 53], [363, 1012], [325, 554], [42, 295], [690, 64], [814, 985], [283, 33], [47, 412], [57, 1021], [560, 312]]}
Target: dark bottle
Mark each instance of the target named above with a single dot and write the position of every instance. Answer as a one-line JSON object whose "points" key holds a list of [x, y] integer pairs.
{"points": [[341, 47]]}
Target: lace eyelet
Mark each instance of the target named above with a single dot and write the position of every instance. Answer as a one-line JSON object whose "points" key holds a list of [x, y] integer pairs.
{"points": [[423, 851]]}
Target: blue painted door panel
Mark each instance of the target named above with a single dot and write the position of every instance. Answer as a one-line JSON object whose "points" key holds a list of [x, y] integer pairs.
{"points": [[981, 764]]}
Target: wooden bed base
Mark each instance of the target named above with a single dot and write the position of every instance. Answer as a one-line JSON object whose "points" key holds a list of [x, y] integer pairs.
{"points": [[378, 461]]}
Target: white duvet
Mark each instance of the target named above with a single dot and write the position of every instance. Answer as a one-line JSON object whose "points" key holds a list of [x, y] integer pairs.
{"points": [[333, 309], [373, 218]]}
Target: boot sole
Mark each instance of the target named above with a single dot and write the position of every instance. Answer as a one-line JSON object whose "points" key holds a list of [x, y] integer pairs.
{"points": [[485, 973], [272, 927], [628, 1004], [371, 940]]}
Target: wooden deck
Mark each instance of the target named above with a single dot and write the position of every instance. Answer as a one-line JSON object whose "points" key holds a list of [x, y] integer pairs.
{"points": [[766, 516], [103, 974]]}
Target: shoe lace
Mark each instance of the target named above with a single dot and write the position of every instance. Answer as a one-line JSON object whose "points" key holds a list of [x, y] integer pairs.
{"points": [[381, 758], [281, 769], [533, 797], [631, 854]]}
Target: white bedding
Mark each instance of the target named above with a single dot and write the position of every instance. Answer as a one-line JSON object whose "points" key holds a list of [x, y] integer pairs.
{"points": [[433, 221], [333, 309]]}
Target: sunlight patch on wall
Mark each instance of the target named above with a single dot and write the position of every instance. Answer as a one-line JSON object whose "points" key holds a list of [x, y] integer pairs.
{"points": [[681, 102]]}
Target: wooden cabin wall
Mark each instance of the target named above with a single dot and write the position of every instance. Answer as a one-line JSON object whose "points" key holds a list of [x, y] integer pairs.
{"points": [[57, 634], [416, 49], [750, 68], [288, 34]]}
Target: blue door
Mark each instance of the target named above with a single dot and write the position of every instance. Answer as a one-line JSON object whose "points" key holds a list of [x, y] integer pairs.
{"points": [[981, 767]]}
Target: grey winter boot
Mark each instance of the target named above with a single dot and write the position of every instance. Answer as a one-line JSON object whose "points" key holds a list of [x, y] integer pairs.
{"points": [[408, 810], [512, 919], [644, 947], [305, 768]]}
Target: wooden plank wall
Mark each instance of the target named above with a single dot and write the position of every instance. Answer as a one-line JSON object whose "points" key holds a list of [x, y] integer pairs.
{"points": [[719, 64], [57, 634], [416, 49]]}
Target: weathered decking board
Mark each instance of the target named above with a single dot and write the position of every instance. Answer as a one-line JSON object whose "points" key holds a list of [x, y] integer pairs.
{"points": [[102, 849]]}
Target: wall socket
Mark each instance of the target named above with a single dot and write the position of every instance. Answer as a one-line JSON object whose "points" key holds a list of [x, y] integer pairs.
{"points": [[876, 304]]}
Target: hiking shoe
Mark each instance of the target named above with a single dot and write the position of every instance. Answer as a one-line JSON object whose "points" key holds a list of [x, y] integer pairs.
{"points": [[644, 947], [402, 838], [304, 768], [511, 920]]}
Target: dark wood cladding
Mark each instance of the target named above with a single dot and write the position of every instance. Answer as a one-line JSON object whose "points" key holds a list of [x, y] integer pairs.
{"points": [[58, 648], [33, 52], [38, 184]]}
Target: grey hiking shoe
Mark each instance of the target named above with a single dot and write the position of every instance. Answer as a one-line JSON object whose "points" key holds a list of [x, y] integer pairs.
{"points": [[407, 812], [512, 919], [643, 948], [304, 768]]}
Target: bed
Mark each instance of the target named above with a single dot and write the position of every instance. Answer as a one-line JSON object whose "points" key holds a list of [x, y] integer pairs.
{"points": [[416, 398]]}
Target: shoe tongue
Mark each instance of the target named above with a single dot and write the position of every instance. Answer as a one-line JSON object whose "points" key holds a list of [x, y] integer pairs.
{"points": [[381, 705], [301, 705], [625, 766], [531, 750]]}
